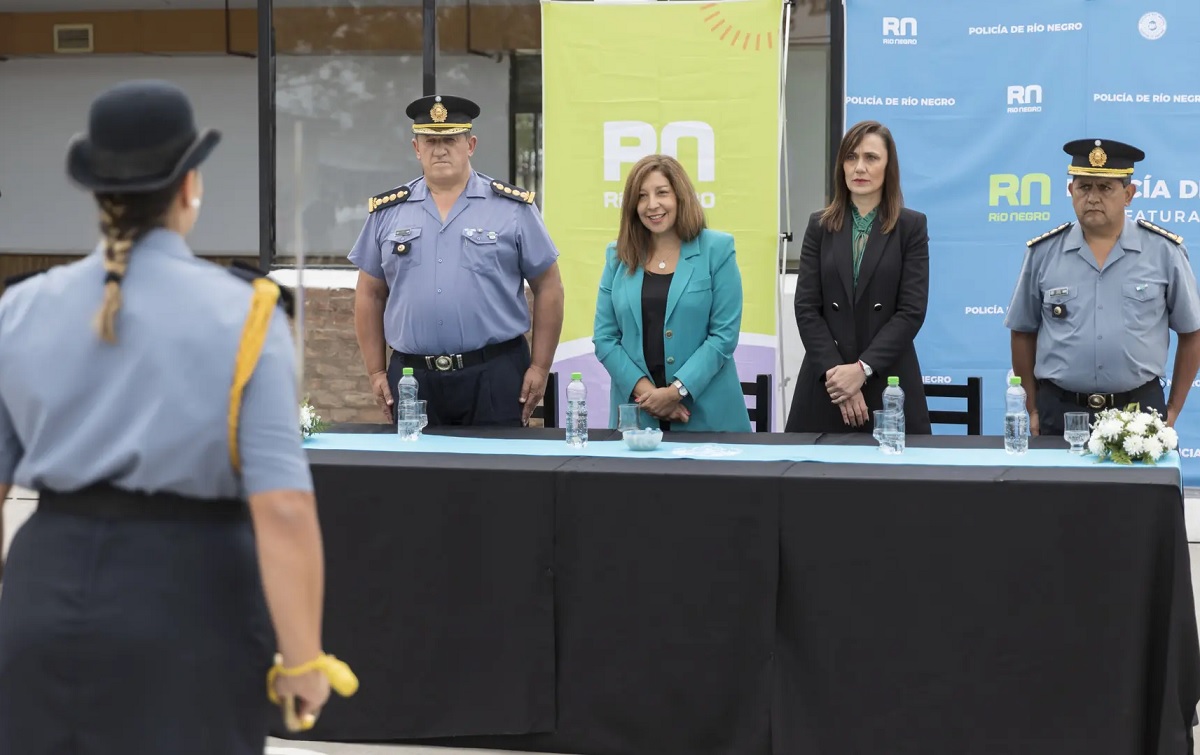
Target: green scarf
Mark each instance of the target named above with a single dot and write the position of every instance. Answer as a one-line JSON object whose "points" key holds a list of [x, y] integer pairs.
{"points": [[858, 240]]}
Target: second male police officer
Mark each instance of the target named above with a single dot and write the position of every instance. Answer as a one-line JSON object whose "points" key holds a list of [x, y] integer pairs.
{"points": [[443, 262], [1094, 301]]}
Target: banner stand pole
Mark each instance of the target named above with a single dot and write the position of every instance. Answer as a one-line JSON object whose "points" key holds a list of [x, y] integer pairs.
{"points": [[785, 234]]}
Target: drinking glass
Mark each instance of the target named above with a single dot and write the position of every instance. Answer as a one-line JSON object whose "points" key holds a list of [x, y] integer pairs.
{"points": [[422, 415], [1076, 430], [628, 417], [879, 416], [408, 419]]}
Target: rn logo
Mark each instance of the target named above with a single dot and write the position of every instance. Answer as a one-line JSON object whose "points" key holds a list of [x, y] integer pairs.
{"points": [[895, 27], [1025, 99], [1017, 191], [626, 142]]}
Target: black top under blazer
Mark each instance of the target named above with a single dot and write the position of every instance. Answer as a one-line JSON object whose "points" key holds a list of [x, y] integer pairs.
{"points": [[876, 323]]}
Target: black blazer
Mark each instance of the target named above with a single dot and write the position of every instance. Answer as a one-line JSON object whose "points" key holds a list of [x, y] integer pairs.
{"points": [[876, 323]]}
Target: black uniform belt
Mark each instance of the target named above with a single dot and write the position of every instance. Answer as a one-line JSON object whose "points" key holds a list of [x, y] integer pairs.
{"points": [[1097, 400], [451, 362], [108, 502]]}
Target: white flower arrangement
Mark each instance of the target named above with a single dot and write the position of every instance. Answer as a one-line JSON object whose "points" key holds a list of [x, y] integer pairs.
{"points": [[310, 421], [1128, 435]]}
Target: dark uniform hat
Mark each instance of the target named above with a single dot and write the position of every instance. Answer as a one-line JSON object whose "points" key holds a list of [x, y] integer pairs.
{"points": [[141, 137], [442, 114], [1101, 157]]}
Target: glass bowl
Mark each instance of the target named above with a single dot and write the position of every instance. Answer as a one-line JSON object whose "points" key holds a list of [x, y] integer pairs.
{"points": [[645, 439]]}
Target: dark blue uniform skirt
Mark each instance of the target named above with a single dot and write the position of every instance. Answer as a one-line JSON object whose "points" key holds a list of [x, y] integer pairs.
{"points": [[134, 625]]}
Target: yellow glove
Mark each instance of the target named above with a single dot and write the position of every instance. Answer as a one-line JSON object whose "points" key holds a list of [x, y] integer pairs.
{"points": [[341, 679]]}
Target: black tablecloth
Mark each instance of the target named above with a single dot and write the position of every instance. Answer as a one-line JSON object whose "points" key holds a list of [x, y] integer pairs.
{"points": [[634, 606]]}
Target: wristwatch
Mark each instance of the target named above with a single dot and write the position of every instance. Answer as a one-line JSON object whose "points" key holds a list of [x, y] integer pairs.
{"points": [[866, 368], [683, 392]]}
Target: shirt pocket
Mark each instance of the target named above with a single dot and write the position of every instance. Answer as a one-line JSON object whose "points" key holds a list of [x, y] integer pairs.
{"points": [[481, 250], [1143, 304], [1058, 305], [401, 250]]}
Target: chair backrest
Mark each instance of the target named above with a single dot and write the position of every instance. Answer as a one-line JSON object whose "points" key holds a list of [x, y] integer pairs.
{"points": [[972, 417], [547, 411], [760, 413]]}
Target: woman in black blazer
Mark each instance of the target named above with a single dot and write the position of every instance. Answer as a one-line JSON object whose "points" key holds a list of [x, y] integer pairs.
{"points": [[861, 294]]}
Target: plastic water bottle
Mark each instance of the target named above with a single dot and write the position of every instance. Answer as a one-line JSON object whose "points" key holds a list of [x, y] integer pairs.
{"points": [[893, 407], [1016, 418], [577, 419], [408, 428]]}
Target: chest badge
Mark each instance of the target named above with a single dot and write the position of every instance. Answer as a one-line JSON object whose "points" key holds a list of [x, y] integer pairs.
{"points": [[1059, 311], [401, 248]]}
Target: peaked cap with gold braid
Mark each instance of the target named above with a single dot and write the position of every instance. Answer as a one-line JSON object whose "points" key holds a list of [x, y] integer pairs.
{"points": [[1102, 157], [442, 114]]}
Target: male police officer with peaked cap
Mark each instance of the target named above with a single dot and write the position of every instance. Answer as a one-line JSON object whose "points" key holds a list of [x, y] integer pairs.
{"points": [[1094, 301], [443, 261]]}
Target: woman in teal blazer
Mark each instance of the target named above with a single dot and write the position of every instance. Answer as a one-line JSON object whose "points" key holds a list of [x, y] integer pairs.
{"points": [[669, 309]]}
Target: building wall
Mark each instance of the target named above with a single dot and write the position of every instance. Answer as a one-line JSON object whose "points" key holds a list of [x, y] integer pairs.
{"points": [[347, 112]]}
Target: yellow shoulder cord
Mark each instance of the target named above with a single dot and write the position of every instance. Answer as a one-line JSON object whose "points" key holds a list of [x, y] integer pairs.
{"points": [[341, 679], [254, 335]]}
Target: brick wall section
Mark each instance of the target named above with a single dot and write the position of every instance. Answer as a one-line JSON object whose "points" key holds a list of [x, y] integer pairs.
{"points": [[335, 380]]}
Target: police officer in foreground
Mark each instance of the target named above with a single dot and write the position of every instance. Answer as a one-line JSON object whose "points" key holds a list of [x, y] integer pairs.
{"points": [[443, 261], [1094, 301], [147, 395]]}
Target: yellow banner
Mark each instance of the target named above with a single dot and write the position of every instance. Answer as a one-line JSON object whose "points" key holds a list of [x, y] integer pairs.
{"points": [[699, 81]]}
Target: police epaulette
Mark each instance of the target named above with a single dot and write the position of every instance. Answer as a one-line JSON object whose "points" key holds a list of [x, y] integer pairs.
{"points": [[387, 198], [248, 273], [1160, 231], [513, 192], [1048, 234]]}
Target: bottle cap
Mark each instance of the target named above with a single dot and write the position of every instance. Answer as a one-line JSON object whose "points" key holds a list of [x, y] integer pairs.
{"points": [[893, 380], [1014, 380], [407, 371], [577, 376]]}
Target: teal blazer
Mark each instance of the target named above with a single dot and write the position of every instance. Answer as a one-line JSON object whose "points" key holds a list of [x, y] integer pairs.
{"points": [[704, 318]]}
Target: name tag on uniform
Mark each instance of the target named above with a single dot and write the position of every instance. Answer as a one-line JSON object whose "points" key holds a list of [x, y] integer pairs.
{"points": [[401, 232], [1059, 291], [1140, 287]]}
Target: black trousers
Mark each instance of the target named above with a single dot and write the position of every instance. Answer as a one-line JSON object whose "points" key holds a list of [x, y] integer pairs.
{"points": [[1052, 404], [134, 633], [481, 395]]}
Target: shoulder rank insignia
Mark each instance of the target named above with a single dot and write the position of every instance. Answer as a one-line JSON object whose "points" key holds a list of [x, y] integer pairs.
{"points": [[513, 192], [249, 273], [1175, 237], [1048, 234], [387, 198]]}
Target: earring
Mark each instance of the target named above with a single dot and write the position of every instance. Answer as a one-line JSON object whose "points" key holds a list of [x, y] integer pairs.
{"points": [[196, 203]]}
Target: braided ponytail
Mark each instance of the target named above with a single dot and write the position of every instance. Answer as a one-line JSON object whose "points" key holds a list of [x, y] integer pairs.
{"points": [[124, 219], [118, 240]]}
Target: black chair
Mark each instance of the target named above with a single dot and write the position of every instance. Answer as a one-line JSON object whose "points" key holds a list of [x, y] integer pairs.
{"points": [[760, 413], [972, 417], [547, 412]]}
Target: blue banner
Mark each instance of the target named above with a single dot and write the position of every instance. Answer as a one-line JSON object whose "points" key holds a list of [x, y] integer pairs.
{"points": [[980, 97]]}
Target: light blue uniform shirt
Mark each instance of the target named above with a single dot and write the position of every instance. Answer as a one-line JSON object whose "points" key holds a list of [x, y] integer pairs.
{"points": [[148, 413], [456, 286], [1111, 331]]}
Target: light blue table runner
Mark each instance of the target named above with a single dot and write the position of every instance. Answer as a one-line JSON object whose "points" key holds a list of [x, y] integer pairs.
{"points": [[615, 449]]}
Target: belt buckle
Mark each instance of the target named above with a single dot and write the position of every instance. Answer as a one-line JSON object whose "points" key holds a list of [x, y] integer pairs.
{"points": [[1097, 400], [443, 363]]}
